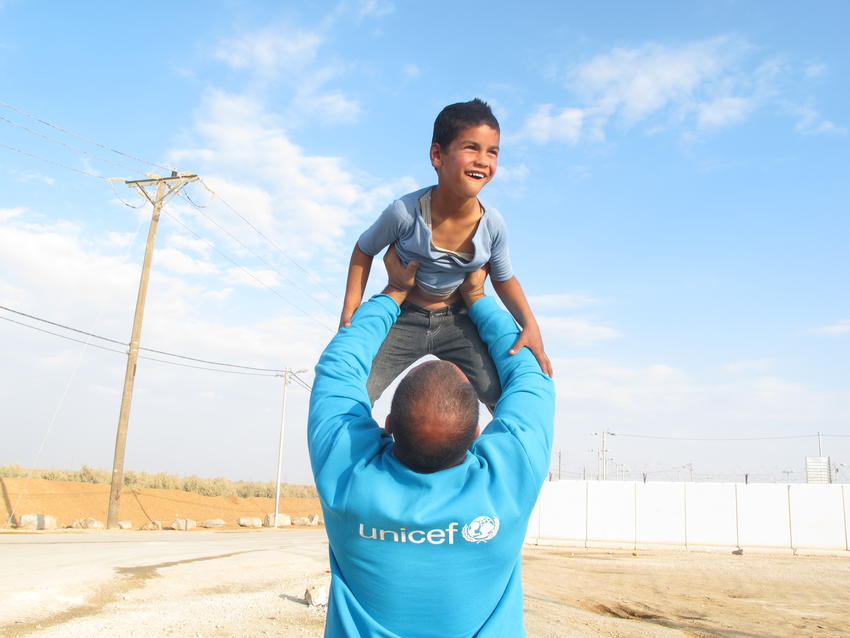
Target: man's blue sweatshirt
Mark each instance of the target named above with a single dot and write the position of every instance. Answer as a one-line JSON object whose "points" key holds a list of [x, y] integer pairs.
{"points": [[426, 555]]}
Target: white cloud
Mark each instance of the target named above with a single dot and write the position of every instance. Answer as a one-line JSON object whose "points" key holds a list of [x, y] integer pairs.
{"points": [[251, 277], [179, 262], [575, 331], [9, 213], [411, 71], [303, 202], [518, 173], [374, 8], [561, 301], [269, 51], [703, 84], [120, 240], [816, 70], [724, 111], [810, 121], [840, 327], [197, 246], [747, 366], [543, 125]]}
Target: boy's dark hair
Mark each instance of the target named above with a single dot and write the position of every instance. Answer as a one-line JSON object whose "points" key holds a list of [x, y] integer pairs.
{"points": [[434, 392], [456, 117]]}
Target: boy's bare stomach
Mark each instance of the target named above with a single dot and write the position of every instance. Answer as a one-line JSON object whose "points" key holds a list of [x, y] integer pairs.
{"points": [[424, 300]]}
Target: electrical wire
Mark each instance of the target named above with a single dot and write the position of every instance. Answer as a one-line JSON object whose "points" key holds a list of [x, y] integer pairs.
{"points": [[243, 245], [249, 273], [747, 438], [69, 146], [85, 139], [271, 242], [126, 345], [44, 159]]}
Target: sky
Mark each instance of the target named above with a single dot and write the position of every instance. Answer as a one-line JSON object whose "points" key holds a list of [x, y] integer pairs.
{"points": [[675, 179]]}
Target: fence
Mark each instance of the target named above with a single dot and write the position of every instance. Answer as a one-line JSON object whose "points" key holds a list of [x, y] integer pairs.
{"points": [[736, 515]]}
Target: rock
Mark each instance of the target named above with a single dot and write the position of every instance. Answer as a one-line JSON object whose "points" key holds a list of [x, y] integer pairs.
{"points": [[313, 520], [316, 595], [301, 520], [282, 520], [37, 521], [250, 521], [183, 524], [152, 525], [738, 552], [87, 523], [213, 522], [125, 525]]}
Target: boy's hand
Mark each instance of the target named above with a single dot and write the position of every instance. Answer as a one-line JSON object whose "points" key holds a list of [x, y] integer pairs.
{"points": [[472, 288], [345, 317], [400, 278], [530, 337]]}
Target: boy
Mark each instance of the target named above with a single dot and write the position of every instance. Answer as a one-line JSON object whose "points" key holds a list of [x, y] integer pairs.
{"points": [[450, 233]]}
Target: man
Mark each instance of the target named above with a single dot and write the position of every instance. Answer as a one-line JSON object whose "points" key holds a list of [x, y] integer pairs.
{"points": [[426, 518]]}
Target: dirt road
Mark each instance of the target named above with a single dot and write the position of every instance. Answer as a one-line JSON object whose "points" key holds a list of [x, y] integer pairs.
{"points": [[252, 583]]}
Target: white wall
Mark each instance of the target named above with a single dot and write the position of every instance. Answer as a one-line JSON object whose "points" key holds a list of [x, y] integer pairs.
{"points": [[734, 515]]}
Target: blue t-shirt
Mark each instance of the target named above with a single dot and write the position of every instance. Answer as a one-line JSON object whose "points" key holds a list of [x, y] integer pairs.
{"points": [[440, 272], [426, 555]]}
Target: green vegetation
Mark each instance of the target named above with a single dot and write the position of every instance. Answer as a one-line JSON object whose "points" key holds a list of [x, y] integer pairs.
{"points": [[204, 486]]}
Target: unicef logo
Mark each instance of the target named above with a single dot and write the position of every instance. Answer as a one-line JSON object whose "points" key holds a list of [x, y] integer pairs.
{"points": [[481, 529]]}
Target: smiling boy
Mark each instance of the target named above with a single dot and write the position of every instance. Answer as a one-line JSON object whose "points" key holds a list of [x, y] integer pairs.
{"points": [[449, 232]]}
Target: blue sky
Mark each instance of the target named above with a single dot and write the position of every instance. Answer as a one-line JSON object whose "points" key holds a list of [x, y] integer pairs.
{"points": [[674, 176]]}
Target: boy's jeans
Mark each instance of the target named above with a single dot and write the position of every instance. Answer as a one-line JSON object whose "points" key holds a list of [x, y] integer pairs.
{"points": [[448, 334]]}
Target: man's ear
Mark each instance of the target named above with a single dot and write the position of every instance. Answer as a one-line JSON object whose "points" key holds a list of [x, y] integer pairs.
{"points": [[387, 425], [436, 155], [478, 431]]}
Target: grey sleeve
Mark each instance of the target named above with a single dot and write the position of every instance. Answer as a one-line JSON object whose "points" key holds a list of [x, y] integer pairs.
{"points": [[500, 258], [386, 229]]}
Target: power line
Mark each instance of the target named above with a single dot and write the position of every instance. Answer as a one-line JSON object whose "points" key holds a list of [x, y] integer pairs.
{"points": [[748, 438], [261, 234], [85, 139], [121, 343], [69, 146], [55, 163], [243, 245], [249, 273]]}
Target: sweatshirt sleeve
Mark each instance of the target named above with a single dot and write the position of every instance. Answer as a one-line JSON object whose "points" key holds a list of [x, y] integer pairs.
{"points": [[527, 405], [340, 427]]}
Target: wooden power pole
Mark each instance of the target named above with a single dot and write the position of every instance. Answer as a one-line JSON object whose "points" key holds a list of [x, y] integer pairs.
{"points": [[166, 188]]}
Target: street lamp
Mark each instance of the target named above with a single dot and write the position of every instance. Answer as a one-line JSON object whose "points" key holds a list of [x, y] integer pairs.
{"points": [[287, 376]]}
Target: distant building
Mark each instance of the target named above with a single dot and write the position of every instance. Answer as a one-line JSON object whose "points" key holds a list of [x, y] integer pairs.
{"points": [[818, 469]]}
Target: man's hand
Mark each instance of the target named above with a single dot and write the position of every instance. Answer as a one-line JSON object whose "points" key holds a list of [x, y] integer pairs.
{"points": [[472, 288], [400, 278], [530, 337]]}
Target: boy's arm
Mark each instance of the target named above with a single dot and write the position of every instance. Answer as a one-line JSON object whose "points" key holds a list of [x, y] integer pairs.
{"points": [[511, 294], [358, 275]]}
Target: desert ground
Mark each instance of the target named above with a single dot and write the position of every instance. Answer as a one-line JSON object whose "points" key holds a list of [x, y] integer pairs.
{"points": [[252, 582]]}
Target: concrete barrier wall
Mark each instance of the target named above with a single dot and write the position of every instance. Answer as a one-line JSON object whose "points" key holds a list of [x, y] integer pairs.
{"points": [[733, 515]]}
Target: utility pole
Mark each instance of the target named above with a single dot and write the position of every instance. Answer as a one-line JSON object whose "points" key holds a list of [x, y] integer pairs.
{"points": [[287, 376], [602, 461], [166, 188], [559, 465]]}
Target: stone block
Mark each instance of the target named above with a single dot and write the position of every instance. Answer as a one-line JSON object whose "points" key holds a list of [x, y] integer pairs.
{"points": [[314, 520], [316, 595], [283, 520], [214, 522], [250, 521], [87, 523], [37, 521], [151, 525], [125, 525], [183, 524]]}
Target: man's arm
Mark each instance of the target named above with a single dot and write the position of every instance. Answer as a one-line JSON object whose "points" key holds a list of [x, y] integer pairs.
{"points": [[512, 295], [339, 404], [527, 404]]}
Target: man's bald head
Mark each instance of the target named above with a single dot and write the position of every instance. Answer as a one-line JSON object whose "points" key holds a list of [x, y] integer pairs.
{"points": [[433, 417]]}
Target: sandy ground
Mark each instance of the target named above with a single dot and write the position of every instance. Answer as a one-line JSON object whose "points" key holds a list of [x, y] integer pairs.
{"points": [[68, 501], [569, 593]]}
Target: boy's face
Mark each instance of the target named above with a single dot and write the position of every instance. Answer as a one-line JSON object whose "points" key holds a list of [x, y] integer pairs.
{"points": [[469, 162]]}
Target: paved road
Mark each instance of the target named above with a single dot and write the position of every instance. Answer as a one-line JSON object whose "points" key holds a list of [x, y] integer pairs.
{"points": [[45, 574]]}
